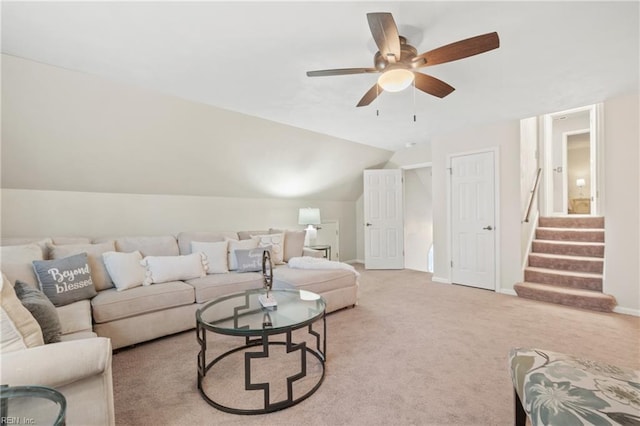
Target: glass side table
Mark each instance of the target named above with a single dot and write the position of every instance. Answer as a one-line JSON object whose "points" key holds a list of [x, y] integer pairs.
{"points": [[32, 405]]}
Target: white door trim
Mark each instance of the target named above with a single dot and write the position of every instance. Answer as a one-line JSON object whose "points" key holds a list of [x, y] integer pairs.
{"points": [[496, 201], [596, 128]]}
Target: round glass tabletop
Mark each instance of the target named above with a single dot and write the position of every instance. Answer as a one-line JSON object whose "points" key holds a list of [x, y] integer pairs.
{"points": [[242, 313]]}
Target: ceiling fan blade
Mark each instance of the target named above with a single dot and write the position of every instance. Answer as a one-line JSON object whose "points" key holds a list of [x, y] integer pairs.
{"points": [[461, 49], [385, 33], [370, 95], [343, 71], [432, 85]]}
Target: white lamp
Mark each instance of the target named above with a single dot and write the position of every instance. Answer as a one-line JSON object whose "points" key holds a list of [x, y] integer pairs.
{"points": [[580, 182], [309, 216], [396, 80]]}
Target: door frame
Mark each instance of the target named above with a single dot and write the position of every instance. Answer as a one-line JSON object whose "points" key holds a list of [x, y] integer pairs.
{"points": [[596, 128], [496, 211]]}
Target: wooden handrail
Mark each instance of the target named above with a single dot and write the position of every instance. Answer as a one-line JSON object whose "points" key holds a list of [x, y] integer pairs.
{"points": [[533, 193]]}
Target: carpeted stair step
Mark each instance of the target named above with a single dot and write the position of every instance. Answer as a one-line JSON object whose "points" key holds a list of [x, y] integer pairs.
{"points": [[567, 263], [584, 299], [571, 234], [570, 248], [571, 222], [580, 280]]}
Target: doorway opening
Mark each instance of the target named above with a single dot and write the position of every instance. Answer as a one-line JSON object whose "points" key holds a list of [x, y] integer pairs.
{"points": [[418, 217], [572, 167]]}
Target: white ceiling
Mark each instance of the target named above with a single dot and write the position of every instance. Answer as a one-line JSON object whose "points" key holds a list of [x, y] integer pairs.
{"points": [[251, 57]]}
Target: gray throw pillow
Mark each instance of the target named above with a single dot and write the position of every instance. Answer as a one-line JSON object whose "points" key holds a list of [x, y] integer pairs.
{"points": [[250, 260], [42, 310], [65, 280]]}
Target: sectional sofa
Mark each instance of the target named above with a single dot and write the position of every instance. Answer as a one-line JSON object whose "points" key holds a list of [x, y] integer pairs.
{"points": [[145, 312], [123, 311]]}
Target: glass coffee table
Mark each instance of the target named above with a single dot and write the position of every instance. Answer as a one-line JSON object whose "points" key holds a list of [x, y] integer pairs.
{"points": [[32, 405], [273, 357]]}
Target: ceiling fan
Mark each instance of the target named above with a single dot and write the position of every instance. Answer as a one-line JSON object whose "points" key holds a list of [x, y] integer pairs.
{"points": [[398, 61]]}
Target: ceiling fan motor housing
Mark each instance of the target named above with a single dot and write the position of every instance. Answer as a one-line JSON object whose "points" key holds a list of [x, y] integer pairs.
{"points": [[407, 54]]}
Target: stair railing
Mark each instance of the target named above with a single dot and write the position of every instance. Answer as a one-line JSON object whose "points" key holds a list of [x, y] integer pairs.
{"points": [[534, 191]]}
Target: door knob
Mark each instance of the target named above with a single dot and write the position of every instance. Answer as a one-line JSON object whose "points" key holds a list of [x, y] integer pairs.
{"points": [[488, 228], [368, 224]]}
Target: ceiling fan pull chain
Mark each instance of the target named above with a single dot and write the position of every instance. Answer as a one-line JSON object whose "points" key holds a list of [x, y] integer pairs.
{"points": [[414, 100]]}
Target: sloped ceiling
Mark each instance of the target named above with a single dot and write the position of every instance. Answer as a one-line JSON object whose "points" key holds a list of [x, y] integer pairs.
{"points": [[251, 57]]}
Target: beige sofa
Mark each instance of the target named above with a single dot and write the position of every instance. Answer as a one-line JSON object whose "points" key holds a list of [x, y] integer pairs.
{"points": [[79, 366], [147, 312]]}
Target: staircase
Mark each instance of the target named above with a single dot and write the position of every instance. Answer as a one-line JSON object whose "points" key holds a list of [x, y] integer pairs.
{"points": [[566, 263]]}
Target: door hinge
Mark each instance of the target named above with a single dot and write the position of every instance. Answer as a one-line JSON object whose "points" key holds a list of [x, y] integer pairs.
{"points": [[450, 170], [452, 263]]}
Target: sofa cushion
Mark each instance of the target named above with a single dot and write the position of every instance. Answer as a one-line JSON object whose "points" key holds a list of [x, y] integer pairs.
{"points": [[42, 310], [250, 260], [216, 253], [65, 280], [246, 235], [162, 269], [293, 242], [276, 242], [110, 305], [125, 269], [165, 245], [186, 238], [20, 330], [75, 317], [212, 286], [315, 280], [239, 245], [99, 274], [16, 262]]}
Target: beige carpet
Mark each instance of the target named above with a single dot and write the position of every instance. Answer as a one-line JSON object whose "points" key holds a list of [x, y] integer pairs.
{"points": [[413, 352]]}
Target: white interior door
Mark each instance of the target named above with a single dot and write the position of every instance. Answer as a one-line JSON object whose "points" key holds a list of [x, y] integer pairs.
{"points": [[473, 220], [383, 218]]}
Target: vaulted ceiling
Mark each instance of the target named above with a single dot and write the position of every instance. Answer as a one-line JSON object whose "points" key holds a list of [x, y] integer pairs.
{"points": [[251, 57]]}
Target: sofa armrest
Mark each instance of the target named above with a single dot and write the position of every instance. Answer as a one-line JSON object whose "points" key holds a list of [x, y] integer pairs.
{"points": [[311, 252], [80, 369]]}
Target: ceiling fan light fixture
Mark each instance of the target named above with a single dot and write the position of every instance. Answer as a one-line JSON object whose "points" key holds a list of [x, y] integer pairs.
{"points": [[396, 80]]}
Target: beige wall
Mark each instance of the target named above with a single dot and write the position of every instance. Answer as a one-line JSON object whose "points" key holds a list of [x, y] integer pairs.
{"points": [[83, 155], [35, 213], [69, 131], [622, 203]]}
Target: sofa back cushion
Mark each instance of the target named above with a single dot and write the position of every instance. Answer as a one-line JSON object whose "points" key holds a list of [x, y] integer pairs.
{"points": [[186, 238], [293, 242], [16, 262], [165, 245], [246, 235]]}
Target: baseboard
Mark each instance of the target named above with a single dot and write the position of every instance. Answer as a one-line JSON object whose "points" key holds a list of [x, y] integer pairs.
{"points": [[627, 311], [440, 280], [509, 291], [352, 261]]}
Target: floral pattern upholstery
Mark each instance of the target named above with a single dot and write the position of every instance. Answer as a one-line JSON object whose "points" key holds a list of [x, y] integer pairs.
{"points": [[559, 389]]}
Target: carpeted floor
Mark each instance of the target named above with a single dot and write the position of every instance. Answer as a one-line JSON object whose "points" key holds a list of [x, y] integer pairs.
{"points": [[413, 352]]}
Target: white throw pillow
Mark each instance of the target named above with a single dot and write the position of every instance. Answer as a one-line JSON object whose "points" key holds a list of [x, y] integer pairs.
{"points": [[276, 242], [20, 330], [125, 269], [216, 253], [238, 245], [162, 269]]}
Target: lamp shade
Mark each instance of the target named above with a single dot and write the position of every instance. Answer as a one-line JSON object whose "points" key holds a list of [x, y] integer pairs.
{"points": [[396, 80], [309, 216], [580, 182]]}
